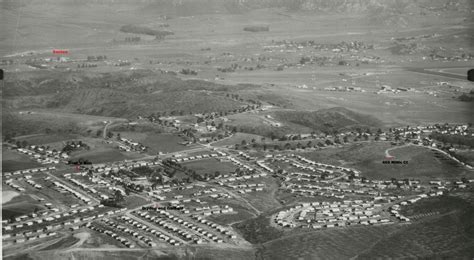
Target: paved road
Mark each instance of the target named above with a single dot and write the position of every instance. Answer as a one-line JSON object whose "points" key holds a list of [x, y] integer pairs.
{"points": [[437, 73], [105, 129]]}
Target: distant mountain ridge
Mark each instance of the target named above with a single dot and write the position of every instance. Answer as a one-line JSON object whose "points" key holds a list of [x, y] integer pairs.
{"points": [[196, 7]]}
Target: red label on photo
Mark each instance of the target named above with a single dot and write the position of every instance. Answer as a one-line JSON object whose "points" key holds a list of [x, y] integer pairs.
{"points": [[58, 51]]}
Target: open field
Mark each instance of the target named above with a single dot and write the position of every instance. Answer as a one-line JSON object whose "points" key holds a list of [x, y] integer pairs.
{"points": [[8, 195], [43, 139], [13, 161], [101, 152], [446, 235], [334, 244], [63, 243], [265, 200], [422, 164], [237, 139], [18, 206], [157, 142], [210, 166]]}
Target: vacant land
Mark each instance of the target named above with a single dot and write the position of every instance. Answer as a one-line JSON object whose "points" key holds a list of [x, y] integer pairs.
{"points": [[422, 164], [210, 166], [237, 138], [157, 142], [103, 155], [20, 205], [450, 234], [44, 139], [258, 230], [13, 161], [63, 243], [341, 243], [8, 195]]}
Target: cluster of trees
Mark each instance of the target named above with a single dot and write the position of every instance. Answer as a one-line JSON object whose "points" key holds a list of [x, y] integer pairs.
{"points": [[86, 65], [257, 28], [304, 60], [6, 62], [114, 201], [188, 72], [132, 39], [72, 145], [123, 63], [79, 161], [22, 144], [144, 30], [463, 159], [96, 58], [172, 168], [231, 68], [460, 140], [467, 98], [288, 146]]}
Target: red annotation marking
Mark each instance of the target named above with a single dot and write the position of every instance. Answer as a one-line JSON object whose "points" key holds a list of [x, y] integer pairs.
{"points": [[57, 51]]}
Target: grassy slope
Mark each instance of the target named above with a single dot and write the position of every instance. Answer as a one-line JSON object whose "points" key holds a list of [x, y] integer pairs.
{"points": [[449, 234], [422, 163], [328, 119]]}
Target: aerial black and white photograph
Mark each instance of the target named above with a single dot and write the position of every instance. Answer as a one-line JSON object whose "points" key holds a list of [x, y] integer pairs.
{"points": [[237, 129]]}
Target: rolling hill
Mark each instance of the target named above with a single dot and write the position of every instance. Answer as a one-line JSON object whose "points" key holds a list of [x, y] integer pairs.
{"points": [[337, 118], [118, 94]]}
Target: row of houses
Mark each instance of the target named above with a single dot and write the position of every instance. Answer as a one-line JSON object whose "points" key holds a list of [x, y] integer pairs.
{"points": [[76, 194], [42, 155], [220, 195], [27, 171], [310, 168], [331, 214], [36, 219], [239, 164], [246, 185], [173, 228], [38, 233], [244, 191], [136, 225], [83, 186], [14, 186], [60, 223], [246, 156], [395, 209], [234, 177], [129, 145], [214, 210], [32, 182], [197, 157], [214, 226], [31, 238], [328, 166], [262, 164], [454, 129], [122, 240], [123, 165], [179, 227]]}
